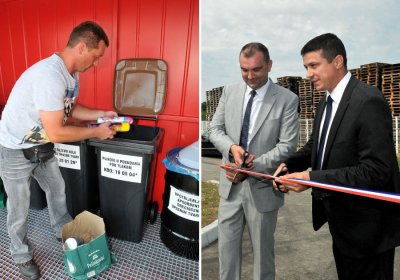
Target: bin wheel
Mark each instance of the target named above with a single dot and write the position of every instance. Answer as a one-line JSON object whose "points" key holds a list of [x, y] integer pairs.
{"points": [[152, 212]]}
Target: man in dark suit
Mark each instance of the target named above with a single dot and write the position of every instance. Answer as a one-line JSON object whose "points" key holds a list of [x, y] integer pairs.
{"points": [[351, 145]]}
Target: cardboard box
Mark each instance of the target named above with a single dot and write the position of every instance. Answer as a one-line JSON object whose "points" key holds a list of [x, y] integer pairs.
{"points": [[93, 256]]}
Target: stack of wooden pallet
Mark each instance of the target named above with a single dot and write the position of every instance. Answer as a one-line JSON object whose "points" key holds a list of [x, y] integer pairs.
{"points": [[356, 72], [306, 110], [391, 87], [305, 130], [306, 98], [290, 82], [372, 73], [213, 97]]}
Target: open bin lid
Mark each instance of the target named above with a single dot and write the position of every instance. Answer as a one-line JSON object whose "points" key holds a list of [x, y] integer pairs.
{"points": [[140, 86], [139, 91]]}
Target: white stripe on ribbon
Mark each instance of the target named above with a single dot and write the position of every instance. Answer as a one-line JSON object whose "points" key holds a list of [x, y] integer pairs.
{"points": [[391, 197]]}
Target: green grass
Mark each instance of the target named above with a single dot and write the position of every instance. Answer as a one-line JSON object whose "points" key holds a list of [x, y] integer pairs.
{"points": [[209, 203]]}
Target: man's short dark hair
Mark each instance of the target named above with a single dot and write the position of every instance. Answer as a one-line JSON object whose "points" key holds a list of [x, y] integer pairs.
{"points": [[250, 49], [330, 45], [89, 32]]}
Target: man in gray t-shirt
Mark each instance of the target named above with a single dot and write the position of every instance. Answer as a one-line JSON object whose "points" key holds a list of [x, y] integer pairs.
{"points": [[45, 86], [35, 115]]}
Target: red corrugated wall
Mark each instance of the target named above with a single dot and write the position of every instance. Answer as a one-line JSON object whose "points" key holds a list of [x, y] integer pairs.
{"points": [[31, 30]]}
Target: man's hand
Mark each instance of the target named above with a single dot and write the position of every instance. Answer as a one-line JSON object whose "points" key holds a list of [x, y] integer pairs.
{"points": [[104, 131], [236, 177], [296, 187], [232, 175], [280, 171], [238, 154]]}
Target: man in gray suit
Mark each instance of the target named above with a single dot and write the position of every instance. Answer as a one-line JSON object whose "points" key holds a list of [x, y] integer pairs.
{"points": [[269, 137]]}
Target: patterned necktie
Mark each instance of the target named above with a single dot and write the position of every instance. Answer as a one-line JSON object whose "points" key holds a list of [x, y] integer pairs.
{"points": [[324, 132], [244, 134]]}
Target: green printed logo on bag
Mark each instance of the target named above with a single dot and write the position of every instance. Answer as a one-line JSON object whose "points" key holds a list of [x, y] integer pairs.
{"points": [[86, 252]]}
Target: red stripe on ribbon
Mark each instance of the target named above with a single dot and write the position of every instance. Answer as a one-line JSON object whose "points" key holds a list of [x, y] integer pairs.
{"points": [[391, 197]]}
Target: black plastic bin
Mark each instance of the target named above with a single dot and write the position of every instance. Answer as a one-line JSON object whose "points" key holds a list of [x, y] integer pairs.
{"points": [[178, 233], [78, 167], [125, 163], [125, 166]]}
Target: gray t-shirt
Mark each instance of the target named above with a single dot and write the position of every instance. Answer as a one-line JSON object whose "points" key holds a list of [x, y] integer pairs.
{"points": [[46, 85]]}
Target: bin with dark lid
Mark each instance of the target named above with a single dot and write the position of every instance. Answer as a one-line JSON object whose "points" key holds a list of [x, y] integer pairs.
{"points": [[125, 163]]}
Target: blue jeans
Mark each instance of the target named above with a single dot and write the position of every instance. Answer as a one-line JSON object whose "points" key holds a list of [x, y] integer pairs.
{"points": [[16, 172]]}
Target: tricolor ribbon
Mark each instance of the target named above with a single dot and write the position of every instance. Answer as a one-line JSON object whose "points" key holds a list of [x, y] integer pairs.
{"points": [[391, 197]]}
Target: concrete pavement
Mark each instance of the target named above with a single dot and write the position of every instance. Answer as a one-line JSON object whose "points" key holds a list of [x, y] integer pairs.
{"points": [[210, 169], [301, 253]]}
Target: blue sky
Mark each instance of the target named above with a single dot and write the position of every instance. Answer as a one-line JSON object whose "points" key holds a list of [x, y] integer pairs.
{"points": [[369, 29]]}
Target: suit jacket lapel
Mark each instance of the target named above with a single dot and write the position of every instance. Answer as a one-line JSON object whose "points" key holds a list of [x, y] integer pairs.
{"points": [[266, 106], [344, 102], [317, 125], [237, 117]]}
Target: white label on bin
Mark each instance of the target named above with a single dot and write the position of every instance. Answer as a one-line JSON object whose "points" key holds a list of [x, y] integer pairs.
{"points": [[68, 156], [184, 204], [121, 167]]}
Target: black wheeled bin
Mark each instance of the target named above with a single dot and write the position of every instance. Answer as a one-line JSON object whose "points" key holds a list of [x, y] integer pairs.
{"points": [[126, 163], [78, 167], [124, 169], [180, 215]]}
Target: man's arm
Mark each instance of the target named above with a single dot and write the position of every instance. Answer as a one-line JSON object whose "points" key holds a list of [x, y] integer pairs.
{"points": [[375, 150], [217, 132], [301, 160], [286, 142], [81, 112], [57, 132]]}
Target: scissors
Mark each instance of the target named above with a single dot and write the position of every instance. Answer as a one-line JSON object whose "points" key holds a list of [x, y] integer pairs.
{"points": [[245, 156], [283, 171]]}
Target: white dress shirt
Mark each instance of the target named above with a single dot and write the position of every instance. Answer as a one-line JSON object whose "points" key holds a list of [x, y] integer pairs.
{"points": [[336, 95], [255, 108]]}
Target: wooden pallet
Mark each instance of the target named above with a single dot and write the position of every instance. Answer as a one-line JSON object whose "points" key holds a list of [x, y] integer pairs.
{"points": [[355, 72], [391, 87], [306, 98], [305, 130], [372, 73], [212, 98], [290, 82]]}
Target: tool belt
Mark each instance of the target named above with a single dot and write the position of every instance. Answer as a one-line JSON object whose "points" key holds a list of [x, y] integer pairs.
{"points": [[39, 153]]}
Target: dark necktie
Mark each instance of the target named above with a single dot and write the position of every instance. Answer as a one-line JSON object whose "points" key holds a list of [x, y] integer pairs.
{"points": [[244, 134], [324, 132]]}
